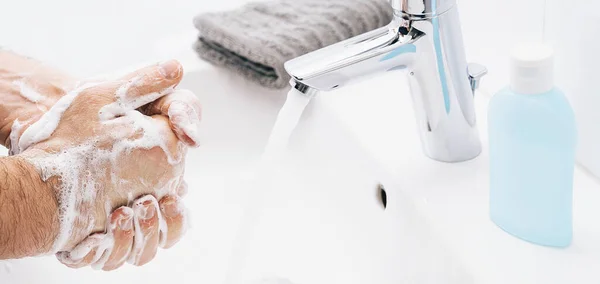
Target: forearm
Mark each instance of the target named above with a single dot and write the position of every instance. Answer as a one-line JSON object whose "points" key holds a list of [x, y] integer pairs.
{"points": [[12, 63], [28, 210], [16, 66]]}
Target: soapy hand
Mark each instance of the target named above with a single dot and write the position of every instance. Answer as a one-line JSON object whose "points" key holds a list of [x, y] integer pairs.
{"points": [[30, 88], [118, 144]]}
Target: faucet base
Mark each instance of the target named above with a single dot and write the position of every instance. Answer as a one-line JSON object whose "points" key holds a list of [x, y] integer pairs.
{"points": [[471, 154]]}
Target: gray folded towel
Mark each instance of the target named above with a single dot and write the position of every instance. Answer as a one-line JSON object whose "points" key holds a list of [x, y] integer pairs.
{"points": [[257, 39]]}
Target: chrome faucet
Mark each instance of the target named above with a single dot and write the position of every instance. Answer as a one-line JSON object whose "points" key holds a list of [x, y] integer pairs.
{"points": [[425, 38]]}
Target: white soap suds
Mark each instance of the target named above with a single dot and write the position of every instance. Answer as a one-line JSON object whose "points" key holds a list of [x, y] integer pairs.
{"points": [[102, 255], [81, 250], [45, 126], [107, 207], [129, 198], [163, 229], [28, 92], [117, 108], [139, 239], [121, 92], [138, 242], [152, 136], [125, 101], [148, 98], [104, 249], [170, 187], [184, 113], [186, 119], [15, 133], [75, 187]]}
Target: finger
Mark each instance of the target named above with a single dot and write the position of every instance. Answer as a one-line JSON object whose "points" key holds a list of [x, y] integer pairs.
{"points": [[142, 87], [83, 254], [121, 228], [184, 111], [174, 147], [150, 83], [173, 213], [146, 224]]}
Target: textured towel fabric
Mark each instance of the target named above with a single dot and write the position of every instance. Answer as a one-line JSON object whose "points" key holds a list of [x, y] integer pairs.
{"points": [[257, 39]]}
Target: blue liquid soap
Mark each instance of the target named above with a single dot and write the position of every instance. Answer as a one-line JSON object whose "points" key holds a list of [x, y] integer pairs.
{"points": [[532, 140]]}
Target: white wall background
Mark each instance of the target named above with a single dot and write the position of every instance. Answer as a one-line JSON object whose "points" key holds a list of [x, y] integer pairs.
{"points": [[87, 37], [491, 27], [573, 28], [92, 36]]}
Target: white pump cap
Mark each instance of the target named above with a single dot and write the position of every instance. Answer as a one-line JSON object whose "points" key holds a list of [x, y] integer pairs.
{"points": [[531, 68]]}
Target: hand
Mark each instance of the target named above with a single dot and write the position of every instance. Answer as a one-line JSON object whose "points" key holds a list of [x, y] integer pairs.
{"points": [[114, 143], [131, 234], [28, 88]]}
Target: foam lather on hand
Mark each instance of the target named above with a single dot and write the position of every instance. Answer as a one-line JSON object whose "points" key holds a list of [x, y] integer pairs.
{"points": [[184, 113], [45, 126], [28, 92], [79, 167], [257, 39], [124, 102], [15, 133]]}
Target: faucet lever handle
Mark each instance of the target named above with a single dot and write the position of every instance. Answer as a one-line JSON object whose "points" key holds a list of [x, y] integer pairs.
{"points": [[476, 71]]}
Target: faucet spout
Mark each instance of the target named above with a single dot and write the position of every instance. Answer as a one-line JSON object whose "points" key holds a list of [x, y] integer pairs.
{"points": [[337, 65], [428, 44]]}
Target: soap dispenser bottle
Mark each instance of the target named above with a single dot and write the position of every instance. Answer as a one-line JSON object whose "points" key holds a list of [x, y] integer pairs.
{"points": [[532, 139]]}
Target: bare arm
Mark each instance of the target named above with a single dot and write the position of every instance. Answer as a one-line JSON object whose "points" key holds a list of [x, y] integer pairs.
{"points": [[28, 210]]}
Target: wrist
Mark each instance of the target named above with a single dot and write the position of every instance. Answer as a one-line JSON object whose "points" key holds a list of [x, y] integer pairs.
{"points": [[28, 210]]}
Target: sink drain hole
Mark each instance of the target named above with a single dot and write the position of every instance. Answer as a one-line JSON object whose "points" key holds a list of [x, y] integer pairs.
{"points": [[382, 195]]}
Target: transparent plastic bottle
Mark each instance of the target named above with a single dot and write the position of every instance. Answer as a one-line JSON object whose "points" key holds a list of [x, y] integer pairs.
{"points": [[532, 139]]}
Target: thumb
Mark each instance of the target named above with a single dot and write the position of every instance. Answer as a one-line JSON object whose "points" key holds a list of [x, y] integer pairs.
{"points": [[143, 87], [150, 83]]}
